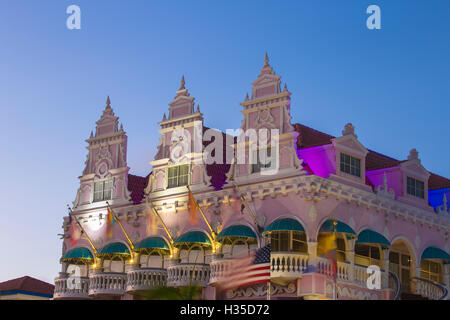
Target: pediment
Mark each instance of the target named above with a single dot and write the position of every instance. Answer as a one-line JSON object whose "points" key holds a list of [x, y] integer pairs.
{"points": [[350, 143]]}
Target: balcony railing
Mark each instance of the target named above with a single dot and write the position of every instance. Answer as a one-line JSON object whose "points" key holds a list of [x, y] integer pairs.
{"points": [[107, 283], [77, 288], [429, 289], [185, 274], [145, 279], [343, 269], [288, 264]]}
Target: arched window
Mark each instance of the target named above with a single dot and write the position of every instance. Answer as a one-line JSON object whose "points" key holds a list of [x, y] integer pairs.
{"points": [[431, 270], [340, 243], [288, 241], [367, 255]]}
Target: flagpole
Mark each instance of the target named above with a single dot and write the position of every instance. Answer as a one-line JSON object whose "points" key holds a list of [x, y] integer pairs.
{"points": [[203, 215], [244, 200], [335, 278], [159, 217], [268, 284], [123, 230], [82, 229]]}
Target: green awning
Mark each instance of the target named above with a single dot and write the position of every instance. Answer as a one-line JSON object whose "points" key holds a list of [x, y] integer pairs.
{"points": [[340, 228], [193, 237], [435, 253], [78, 254], [372, 237], [114, 248], [237, 231], [286, 224], [152, 243]]}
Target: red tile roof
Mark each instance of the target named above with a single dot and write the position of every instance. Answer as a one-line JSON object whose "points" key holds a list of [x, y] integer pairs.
{"points": [[438, 182], [28, 284], [309, 137]]}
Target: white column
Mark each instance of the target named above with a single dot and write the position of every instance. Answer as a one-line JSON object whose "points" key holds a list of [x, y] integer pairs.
{"points": [[312, 253], [350, 257], [446, 277], [385, 266]]}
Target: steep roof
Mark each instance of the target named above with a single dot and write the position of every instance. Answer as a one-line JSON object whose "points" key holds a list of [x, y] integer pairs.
{"points": [[310, 138], [27, 285], [136, 186]]}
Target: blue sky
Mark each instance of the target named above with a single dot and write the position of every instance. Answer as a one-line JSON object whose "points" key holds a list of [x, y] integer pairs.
{"points": [[393, 84]]}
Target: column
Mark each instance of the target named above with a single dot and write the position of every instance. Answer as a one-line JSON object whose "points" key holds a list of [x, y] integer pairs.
{"points": [[385, 266], [350, 257], [312, 255]]}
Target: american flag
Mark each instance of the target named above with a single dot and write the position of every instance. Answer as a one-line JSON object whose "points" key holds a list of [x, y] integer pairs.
{"points": [[252, 269]]}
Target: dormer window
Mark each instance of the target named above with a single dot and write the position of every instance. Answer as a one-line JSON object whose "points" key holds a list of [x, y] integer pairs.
{"points": [[178, 176], [263, 160], [415, 187], [350, 165], [103, 190]]}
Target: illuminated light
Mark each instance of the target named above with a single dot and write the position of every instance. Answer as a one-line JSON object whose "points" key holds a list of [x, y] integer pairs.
{"points": [[94, 266], [131, 261]]}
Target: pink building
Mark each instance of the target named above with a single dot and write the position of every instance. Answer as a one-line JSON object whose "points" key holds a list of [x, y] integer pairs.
{"points": [[377, 207]]}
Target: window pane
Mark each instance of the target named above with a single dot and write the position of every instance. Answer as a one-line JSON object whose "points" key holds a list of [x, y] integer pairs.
{"points": [[394, 257], [405, 260]]}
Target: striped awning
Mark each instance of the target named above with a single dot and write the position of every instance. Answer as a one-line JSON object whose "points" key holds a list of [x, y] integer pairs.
{"points": [[372, 237], [237, 231], [341, 227], [114, 248], [436, 253], [193, 237], [77, 254], [284, 224], [152, 243]]}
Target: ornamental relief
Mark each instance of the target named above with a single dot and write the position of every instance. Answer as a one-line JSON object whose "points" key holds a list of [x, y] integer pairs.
{"points": [[261, 290], [265, 119]]}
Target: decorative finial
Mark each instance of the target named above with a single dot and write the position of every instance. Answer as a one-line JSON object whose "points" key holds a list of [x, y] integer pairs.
{"points": [[182, 83], [266, 60], [164, 117], [198, 109], [444, 208], [121, 127], [413, 154], [108, 102], [246, 97], [348, 129], [92, 135], [285, 87]]}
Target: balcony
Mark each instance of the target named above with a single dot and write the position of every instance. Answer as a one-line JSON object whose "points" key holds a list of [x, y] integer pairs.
{"points": [[185, 274], [77, 289], [288, 265], [145, 279], [107, 284], [429, 289]]}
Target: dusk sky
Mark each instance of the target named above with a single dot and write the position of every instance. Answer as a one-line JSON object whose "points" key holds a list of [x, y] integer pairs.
{"points": [[392, 84]]}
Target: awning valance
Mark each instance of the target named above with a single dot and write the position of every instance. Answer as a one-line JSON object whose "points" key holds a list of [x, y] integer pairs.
{"points": [[341, 227], [152, 243], [436, 253], [237, 231], [114, 248], [193, 237], [372, 237], [284, 224], [77, 254]]}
